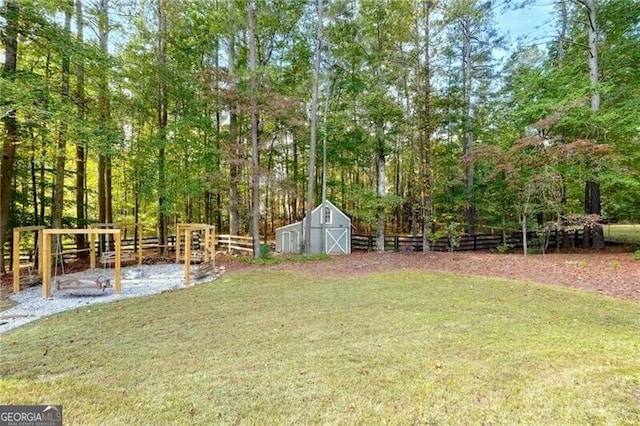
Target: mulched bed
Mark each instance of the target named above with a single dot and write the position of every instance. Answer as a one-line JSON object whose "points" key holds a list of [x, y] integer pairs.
{"points": [[612, 272]]}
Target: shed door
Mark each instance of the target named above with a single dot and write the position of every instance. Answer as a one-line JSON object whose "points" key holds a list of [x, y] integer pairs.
{"points": [[289, 241], [337, 241]]}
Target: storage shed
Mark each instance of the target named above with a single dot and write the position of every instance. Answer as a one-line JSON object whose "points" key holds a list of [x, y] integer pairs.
{"points": [[330, 232]]}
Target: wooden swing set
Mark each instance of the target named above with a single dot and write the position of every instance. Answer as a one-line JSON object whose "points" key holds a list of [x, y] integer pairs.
{"points": [[37, 262], [206, 257], [63, 283], [107, 256]]}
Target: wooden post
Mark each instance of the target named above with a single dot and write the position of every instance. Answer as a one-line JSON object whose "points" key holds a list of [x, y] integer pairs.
{"points": [[138, 227], [118, 253], [16, 260], [178, 229], [207, 245], [92, 251], [213, 246], [187, 256], [46, 266], [17, 235], [40, 250]]}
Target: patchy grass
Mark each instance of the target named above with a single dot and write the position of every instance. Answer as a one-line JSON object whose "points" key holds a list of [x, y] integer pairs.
{"points": [[6, 304], [282, 258], [265, 347], [627, 234]]}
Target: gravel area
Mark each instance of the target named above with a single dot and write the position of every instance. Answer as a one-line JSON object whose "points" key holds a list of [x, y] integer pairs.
{"points": [[136, 281], [610, 273]]}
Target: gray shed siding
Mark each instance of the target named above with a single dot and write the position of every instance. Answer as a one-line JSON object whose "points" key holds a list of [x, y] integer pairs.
{"points": [[289, 238], [337, 232]]}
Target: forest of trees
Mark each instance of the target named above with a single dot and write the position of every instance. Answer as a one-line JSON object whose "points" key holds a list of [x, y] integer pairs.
{"points": [[413, 116]]}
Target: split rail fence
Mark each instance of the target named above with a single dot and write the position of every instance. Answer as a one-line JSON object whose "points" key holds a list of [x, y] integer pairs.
{"points": [[244, 244], [514, 240], [224, 243]]}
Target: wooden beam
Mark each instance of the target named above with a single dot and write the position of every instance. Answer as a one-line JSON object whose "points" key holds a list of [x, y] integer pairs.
{"points": [[92, 251], [16, 260], [17, 236], [46, 266], [117, 271], [187, 257]]}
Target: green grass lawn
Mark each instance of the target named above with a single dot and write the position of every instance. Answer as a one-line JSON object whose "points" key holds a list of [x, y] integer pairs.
{"points": [[279, 348], [5, 304], [628, 234]]}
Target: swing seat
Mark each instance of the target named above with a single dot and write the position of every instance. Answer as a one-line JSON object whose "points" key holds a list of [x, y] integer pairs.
{"points": [[109, 257], [95, 283], [196, 256], [203, 270], [30, 280]]}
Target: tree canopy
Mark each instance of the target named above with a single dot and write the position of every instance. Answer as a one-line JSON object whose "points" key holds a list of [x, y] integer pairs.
{"points": [[425, 118]]}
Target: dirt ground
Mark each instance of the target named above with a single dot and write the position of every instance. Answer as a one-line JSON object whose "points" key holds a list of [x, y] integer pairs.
{"points": [[611, 272]]}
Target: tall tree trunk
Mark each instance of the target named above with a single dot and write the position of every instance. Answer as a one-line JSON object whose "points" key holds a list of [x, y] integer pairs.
{"points": [[58, 188], [235, 171], [592, 187], [35, 200], [381, 191], [311, 182], [296, 178], [10, 141], [81, 212], [425, 134], [381, 160], [469, 211], [255, 151], [104, 112], [562, 34], [162, 115]]}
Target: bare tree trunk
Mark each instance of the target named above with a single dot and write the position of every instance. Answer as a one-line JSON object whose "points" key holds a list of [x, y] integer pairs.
{"points": [[255, 151], [562, 36], [34, 182], [313, 131], [10, 124], [235, 171], [592, 188], [162, 115], [58, 188], [425, 135], [525, 243], [81, 211], [469, 211], [104, 110], [296, 177], [381, 162], [109, 190], [382, 191]]}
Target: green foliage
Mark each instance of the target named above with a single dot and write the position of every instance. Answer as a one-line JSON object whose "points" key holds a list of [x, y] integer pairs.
{"points": [[379, 98], [504, 248], [285, 258], [265, 252], [368, 205]]}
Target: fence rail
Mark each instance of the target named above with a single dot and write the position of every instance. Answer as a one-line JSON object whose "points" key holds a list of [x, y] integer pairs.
{"points": [[398, 243], [233, 243], [244, 244]]}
